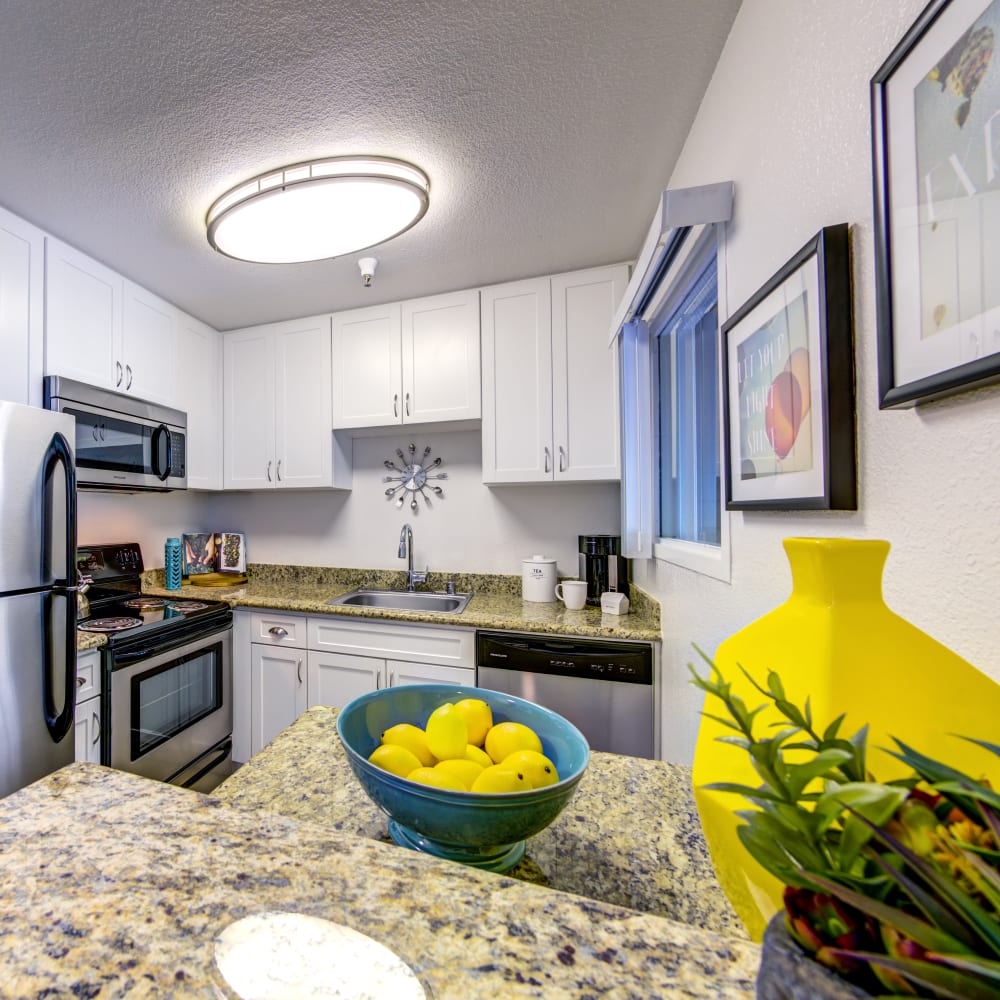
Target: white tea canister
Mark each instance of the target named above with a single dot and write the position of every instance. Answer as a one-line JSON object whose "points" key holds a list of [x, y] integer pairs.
{"points": [[538, 579]]}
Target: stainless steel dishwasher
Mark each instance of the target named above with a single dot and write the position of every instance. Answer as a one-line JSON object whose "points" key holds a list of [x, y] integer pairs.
{"points": [[604, 688]]}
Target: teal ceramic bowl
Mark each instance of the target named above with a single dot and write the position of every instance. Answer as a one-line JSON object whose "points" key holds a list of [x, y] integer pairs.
{"points": [[486, 831]]}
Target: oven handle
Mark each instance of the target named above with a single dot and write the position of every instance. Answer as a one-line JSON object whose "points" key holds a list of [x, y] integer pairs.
{"points": [[140, 654], [220, 754]]}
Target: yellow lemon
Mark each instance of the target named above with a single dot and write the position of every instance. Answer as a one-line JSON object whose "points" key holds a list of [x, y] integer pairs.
{"points": [[507, 737], [432, 776], [478, 755], [414, 739], [394, 758], [466, 771], [478, 717], [447, 733], [501, 779], [539, 770]]}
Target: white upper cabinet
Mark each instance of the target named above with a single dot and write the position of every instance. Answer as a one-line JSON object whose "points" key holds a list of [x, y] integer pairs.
{"points": [[83, 318], [149, 345], [407, 363], [276, 388], [367, 367], [550, 381], [198, 392], [104, 330], [22, 289], [440, 343]]}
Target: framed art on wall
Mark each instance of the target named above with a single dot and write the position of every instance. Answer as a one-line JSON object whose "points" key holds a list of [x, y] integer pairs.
{"points": [[788, 381], [936, 158]]}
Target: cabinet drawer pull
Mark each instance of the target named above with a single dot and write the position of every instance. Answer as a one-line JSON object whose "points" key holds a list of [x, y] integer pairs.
{"points": [[118, 380], [80, 681], [97, 730], [269, 463], [395, 404], [548, 463], [562, 459], [278, 631], [298, 671], [128, 369]]}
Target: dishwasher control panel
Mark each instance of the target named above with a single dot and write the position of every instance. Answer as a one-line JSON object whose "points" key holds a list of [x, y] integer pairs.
{"points": [[623, 662]]}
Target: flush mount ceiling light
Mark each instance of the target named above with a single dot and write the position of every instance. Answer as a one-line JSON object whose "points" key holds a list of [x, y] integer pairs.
{"points": [[319, 209]]}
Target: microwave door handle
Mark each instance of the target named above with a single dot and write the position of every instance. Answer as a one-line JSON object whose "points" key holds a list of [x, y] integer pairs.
{"points": [[163, 429]]}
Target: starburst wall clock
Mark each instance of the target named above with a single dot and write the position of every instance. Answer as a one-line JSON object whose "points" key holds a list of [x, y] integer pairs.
{"points": [[413, 476]]}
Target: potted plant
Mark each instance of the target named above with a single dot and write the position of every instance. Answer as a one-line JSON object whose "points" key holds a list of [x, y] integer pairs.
{"points": [[894, 887]]}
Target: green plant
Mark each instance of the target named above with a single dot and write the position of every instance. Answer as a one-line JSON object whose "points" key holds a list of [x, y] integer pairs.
{"points": [[893, 885]]}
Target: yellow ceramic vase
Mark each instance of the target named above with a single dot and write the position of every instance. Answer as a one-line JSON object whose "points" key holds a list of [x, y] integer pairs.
{"points": [[836, 642]]}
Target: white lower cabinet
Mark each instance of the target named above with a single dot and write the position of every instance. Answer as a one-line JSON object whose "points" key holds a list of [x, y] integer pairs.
{"points": [[293, 662], [88, 707], [278, 691]]}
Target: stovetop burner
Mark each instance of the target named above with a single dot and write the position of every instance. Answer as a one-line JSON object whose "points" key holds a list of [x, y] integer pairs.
{"points": [[145, 603], [186, 607], [108, 624]]}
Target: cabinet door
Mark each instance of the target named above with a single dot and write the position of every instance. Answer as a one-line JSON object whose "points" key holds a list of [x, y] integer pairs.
{"points": [[585, 433], [197, 391], [22, 288], [278, 680], [440, 338], [149, 345], [83, 318], [303, 450], [367, 379], [517, 382], [337, 678], [87, 731], [248, 398], [401, 672]]}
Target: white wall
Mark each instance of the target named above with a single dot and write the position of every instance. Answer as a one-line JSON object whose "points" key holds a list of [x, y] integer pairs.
{"points": [[473, 528], [787, 118]]}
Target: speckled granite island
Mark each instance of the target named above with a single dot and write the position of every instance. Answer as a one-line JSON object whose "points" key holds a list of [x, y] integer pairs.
{"points": [[114, 886], [629, 836]]}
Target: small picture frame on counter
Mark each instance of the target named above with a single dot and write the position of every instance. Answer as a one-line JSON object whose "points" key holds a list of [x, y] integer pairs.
{"points": [[200, 553], [232, 552]]}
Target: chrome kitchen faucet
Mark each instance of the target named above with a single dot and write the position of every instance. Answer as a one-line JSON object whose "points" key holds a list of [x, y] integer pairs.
{"points": [[406, 552]]}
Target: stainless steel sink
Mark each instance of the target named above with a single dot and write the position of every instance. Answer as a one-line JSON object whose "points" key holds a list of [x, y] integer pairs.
{"points": [[402, 600]]}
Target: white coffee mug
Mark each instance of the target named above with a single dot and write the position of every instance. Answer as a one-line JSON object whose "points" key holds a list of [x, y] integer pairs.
{"points": [[573, 593]]}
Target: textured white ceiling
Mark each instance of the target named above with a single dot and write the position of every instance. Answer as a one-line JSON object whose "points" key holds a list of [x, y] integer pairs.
{"points": [[547, 127]]}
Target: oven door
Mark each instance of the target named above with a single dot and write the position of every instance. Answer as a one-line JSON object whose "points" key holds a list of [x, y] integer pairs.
{"points": [[172, 713]]}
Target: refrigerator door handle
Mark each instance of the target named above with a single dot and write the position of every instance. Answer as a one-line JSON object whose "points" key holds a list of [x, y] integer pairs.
{"points": [[59, 723]]}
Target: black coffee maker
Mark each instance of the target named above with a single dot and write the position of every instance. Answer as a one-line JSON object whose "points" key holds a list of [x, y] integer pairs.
{"points": [[602, 566]]}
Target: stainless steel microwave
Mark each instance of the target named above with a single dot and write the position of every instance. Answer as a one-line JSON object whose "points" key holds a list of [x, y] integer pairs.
{"points": [[122, 443]]}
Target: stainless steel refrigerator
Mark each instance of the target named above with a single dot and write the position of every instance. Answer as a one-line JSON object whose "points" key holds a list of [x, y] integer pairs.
{"points": [[37, 593]]}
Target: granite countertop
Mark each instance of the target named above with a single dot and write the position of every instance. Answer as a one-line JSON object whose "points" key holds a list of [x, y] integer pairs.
{"points": [[630, 835], [112, 886], [496, 602], [90, 640]]}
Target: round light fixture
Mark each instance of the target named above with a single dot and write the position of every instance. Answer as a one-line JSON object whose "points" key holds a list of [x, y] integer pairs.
{"points": [[320, 209]]}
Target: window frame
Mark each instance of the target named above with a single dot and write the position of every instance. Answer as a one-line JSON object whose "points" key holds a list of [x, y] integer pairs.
{"points": [[714, 561]]}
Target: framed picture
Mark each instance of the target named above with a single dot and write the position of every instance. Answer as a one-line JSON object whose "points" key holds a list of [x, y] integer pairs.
{"points": [[232, 552], [936, 155], [788, 386], [200, 553]]}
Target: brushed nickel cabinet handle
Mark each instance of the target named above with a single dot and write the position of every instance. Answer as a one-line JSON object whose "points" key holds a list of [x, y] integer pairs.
{"points": [[97, 732], [407, 404], [269, 463], [118, 381], [562, 459], [80, 681], [298, 670], [128, 369], [548, 463], [278, 631], [278, 470], [395, 404]]}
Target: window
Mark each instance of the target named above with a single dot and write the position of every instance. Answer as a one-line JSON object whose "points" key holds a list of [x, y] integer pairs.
{"points": [[671, 473], [687, 366]]}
